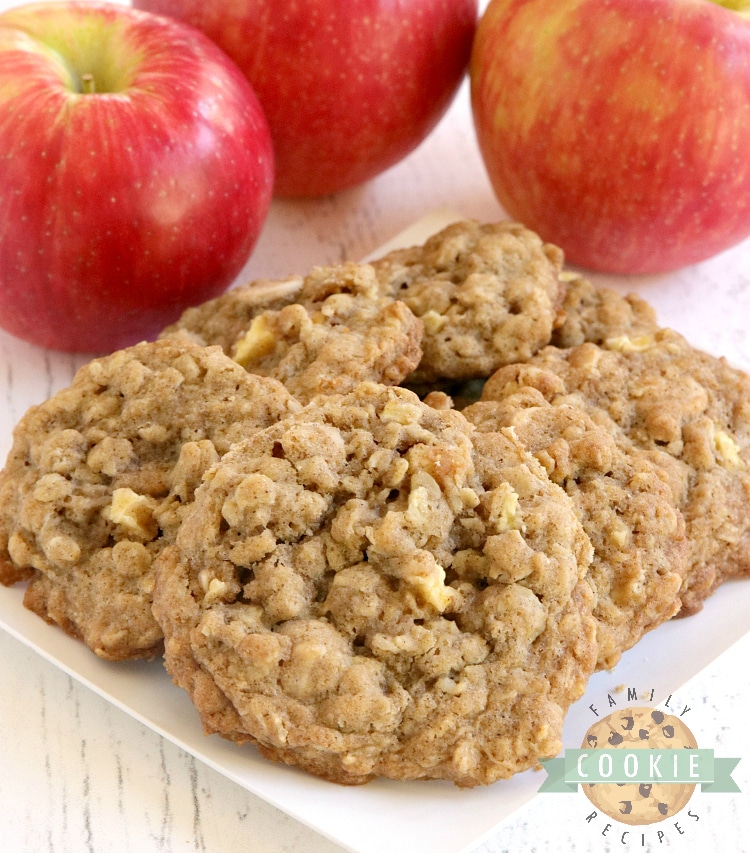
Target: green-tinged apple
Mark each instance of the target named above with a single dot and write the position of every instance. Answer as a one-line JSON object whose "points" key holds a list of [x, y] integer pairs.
{"points": [[618, 129], [349, 87], [136, 172]]}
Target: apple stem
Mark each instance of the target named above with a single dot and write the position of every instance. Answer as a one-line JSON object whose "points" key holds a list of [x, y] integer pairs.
{"points": [[88, 84]]}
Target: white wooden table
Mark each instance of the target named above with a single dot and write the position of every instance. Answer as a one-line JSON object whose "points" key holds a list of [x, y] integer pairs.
{"points": [[77, 774]]}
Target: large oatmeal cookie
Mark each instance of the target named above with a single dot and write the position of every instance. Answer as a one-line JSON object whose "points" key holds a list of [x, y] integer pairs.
{"points": [[323, 336], [100, 475], [621, 498], [363, 591], [488, 295], [691, 412]]}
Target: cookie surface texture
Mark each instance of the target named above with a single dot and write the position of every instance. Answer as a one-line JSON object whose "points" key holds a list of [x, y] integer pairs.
{"points": [[362, 591], [336, 329], [100, 475], [596, 314], [691, 412], [621, 498], [488, 295], [224, 320]]}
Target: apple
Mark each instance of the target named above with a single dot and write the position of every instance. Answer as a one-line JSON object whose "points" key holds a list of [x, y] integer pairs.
{"points": [[618, 129], [136, 172], [349, 87]]}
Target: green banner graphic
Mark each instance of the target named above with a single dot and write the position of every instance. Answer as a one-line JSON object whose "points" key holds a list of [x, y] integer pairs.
{"points": [[672, 766]]}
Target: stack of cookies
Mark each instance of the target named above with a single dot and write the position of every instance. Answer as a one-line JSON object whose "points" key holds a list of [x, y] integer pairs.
{"points": [[386, 519]]}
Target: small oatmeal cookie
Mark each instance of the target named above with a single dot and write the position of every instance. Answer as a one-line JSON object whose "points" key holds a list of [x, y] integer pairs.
{"points": [[596, 314], [363, 591], [691, 412], [621, 498], [488, 295], [324, 337], [100, 475]]}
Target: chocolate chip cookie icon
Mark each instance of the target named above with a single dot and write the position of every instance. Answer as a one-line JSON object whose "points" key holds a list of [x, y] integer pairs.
{"points": [[639, 803]]}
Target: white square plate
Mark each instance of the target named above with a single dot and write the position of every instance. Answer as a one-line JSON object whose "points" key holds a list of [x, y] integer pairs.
{"points": [[384, 815]]}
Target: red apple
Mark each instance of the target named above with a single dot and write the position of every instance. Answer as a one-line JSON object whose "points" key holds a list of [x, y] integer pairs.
{"points": [[136, 172], [618, 129], [349, 87]]}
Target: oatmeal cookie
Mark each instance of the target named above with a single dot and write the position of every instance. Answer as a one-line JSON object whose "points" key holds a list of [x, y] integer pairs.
{"points": [[597, 314], [224, 320], [488, 295], [691, 412], [335, 330], [100, 475], [621, 498], [362, 590]]}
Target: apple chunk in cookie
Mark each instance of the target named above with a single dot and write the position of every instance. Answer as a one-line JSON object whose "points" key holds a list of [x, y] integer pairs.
{"points": [[362, 590], [100, 476]]}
